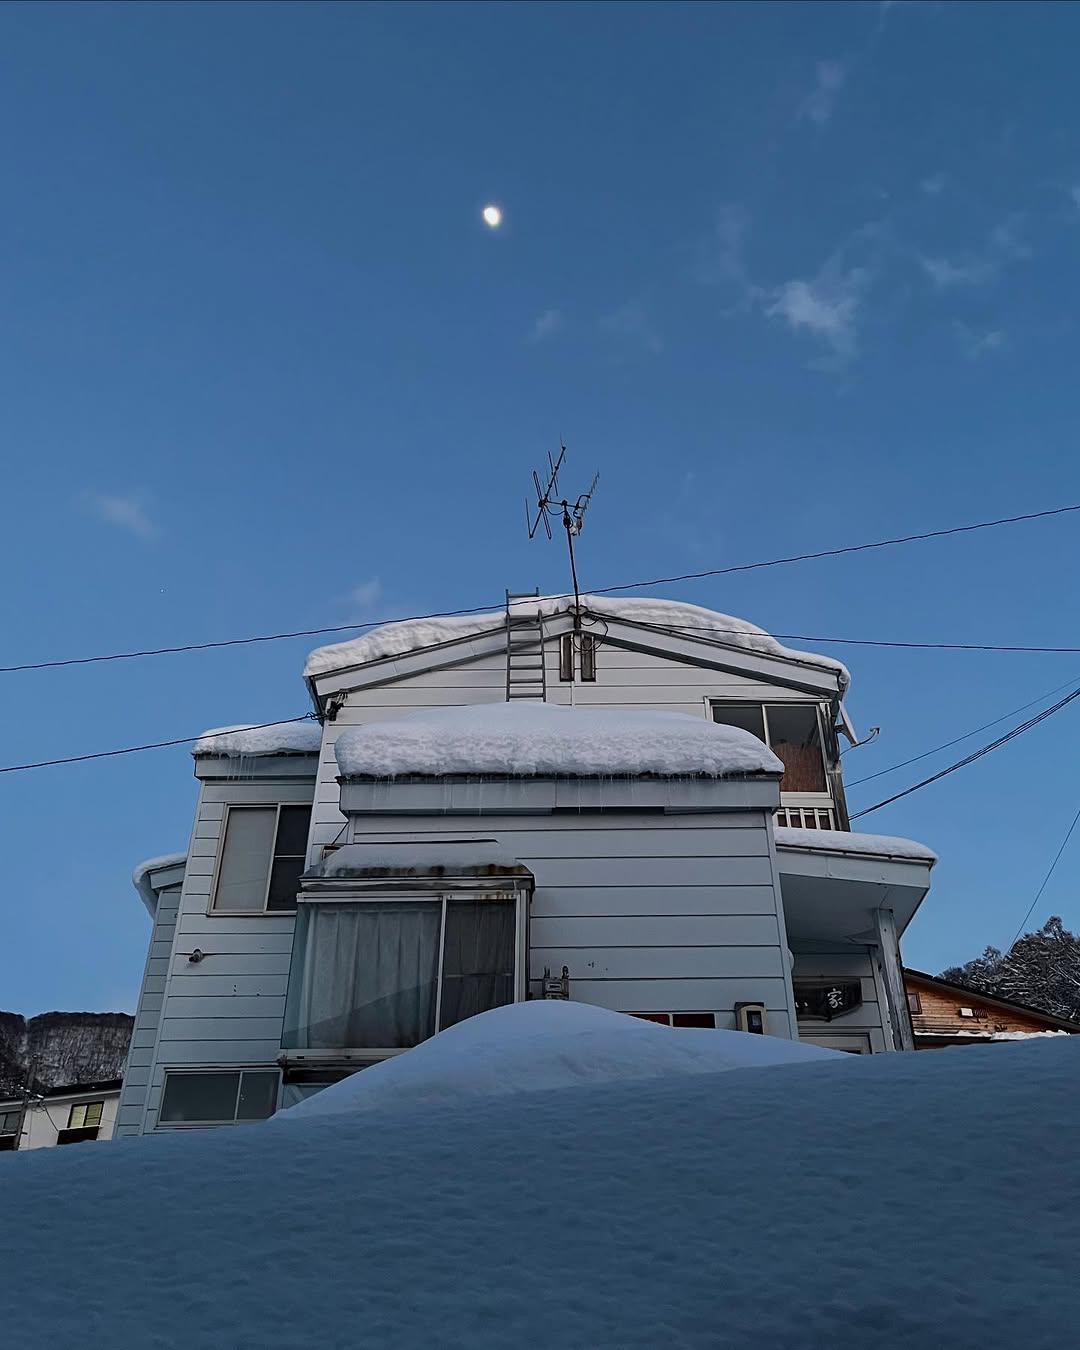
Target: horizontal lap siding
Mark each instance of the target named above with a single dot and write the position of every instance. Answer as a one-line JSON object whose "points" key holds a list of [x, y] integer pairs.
{"points": [[132, 1104], [651, 914], [868, 1019], [228, 1007]]}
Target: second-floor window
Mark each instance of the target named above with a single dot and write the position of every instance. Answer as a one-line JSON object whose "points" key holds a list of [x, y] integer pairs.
{"points": [[792, 731], [85, 1115], [262, 856]]}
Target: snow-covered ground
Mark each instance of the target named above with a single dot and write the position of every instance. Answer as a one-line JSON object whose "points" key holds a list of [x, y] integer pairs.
{"points": [[927, 1200]]}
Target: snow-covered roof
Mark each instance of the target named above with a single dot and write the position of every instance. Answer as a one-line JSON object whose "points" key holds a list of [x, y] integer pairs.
{"points": [[753, 1208], [281, 738], [843, 841], [527, 739], [140, 878], [448, 857], [690, 621]]}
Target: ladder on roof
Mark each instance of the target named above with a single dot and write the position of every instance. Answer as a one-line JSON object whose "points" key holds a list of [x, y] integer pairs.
{"points": [[526, 675]]}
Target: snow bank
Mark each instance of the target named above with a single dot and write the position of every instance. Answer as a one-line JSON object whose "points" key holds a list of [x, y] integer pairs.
{"points": [[283, 738], [764, 1209], [841, 841], [523, 739], [691, 621], [532, 1047]]}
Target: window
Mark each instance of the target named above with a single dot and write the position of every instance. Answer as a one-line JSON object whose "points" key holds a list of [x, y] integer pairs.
{"points": [[566, 656], [9, 1121], [588, 657], [85, 1114], [387, 974], [83, 1135], [585, 645], [261, 858], [792, 731], [914, 1002], [680, 1019], [218, 1097]]}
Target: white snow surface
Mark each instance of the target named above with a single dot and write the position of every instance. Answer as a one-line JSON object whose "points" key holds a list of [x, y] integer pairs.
{"points": [[690, 621], [544, 1044], [525, 738], [841, 841], [750, 1209], [445, 854], [284, 738], [140, 878]]}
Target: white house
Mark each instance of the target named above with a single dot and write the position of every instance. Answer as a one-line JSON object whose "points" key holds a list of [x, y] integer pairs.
{"points": [[81, 1113], [639, 804]]}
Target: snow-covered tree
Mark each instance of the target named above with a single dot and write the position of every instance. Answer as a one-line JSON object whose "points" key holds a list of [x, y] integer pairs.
{"points": [[1041, 969]]}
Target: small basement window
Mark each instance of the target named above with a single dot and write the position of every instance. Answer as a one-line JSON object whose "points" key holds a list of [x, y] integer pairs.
{"points": [[77, 1136], [261, 858], [680, 1019], [217, 1097]]}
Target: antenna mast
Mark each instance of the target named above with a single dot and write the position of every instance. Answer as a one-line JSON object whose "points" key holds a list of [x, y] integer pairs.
{"points": [[573, 517]]}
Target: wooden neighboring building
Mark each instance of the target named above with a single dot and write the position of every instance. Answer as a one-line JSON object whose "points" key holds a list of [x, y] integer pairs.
{"points": [[943, 1013]]}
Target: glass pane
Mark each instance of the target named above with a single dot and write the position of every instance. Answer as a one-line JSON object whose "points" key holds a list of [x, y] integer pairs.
{"points": [[245, 859], [93, 1113], [744, 715], [794, 738], [258, 1094], [694, 1020], [292, 831], [76, 1117], [198, 1097], [663, 1018], [284, 883], [363, 975], [478, 958]]}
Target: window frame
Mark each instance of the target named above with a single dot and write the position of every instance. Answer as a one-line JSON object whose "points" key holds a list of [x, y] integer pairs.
{"points": [[85, 1108], [187, 1071], [823, 801], [275, 806], [914, 1002], [517, 896]]}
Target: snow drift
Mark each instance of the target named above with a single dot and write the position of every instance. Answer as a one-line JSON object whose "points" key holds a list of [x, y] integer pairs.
{"points": [[533, 1047], [884, 1202], [523, 739]]}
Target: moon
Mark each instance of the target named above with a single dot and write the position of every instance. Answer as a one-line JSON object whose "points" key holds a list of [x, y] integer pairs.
{"points": [[492, 215]]}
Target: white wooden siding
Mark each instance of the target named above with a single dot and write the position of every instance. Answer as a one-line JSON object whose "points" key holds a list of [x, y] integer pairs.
{"points": [[869, 1019], [132, 1105], [228, 1008], [649, 914]]}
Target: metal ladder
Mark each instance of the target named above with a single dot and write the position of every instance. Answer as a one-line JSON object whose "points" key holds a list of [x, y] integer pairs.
{"points": [[526, 674]]}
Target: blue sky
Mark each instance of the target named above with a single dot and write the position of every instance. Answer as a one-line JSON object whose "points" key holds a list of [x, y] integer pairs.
{"points": [[788, 276]]}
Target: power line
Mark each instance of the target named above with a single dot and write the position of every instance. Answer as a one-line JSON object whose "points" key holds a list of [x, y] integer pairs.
{"points": [[603, 590], [977, 754], [965, 737], [1046, 879], [153, 745], [878, 642]]}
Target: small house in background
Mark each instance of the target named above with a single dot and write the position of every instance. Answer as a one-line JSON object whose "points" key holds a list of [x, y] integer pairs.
{"points": [[633, 803], [76, 1114], [943, 1014]]}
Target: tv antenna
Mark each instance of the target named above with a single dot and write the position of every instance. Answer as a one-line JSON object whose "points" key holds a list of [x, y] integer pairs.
{"points": [[549, 503]]}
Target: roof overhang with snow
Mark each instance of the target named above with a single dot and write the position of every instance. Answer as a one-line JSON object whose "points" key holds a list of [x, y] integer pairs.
{"points": [[832, 891], [374, 866], [679, 632], [155, 875]]}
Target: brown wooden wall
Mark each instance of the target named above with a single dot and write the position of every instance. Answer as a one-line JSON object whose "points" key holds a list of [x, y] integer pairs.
{"points": [[940, 1015]]}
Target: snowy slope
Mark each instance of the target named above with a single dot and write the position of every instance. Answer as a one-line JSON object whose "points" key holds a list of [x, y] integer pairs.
{"points": [[516, 739], [533, 1047], [885, 1203], [691, 621]]}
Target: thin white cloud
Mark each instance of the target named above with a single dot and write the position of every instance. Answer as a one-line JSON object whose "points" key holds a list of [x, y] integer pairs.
{"points": [[976, 342], [125, 512], [631, 323], [365, 595], [826, 307], [547, 325], [819, 104], [968, 271], [721, 260], [935, 185], [1074, 193]]}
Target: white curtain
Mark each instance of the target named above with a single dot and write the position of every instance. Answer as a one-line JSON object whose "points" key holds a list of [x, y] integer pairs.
{"points": [[363, 975], [478, 958]]}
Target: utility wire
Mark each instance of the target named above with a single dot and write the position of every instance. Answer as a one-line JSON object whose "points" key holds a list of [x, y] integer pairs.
{"points": [[977, 754], [965, 737], [154, 745], [602, 590], [874, 642], [1046, 879]]}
